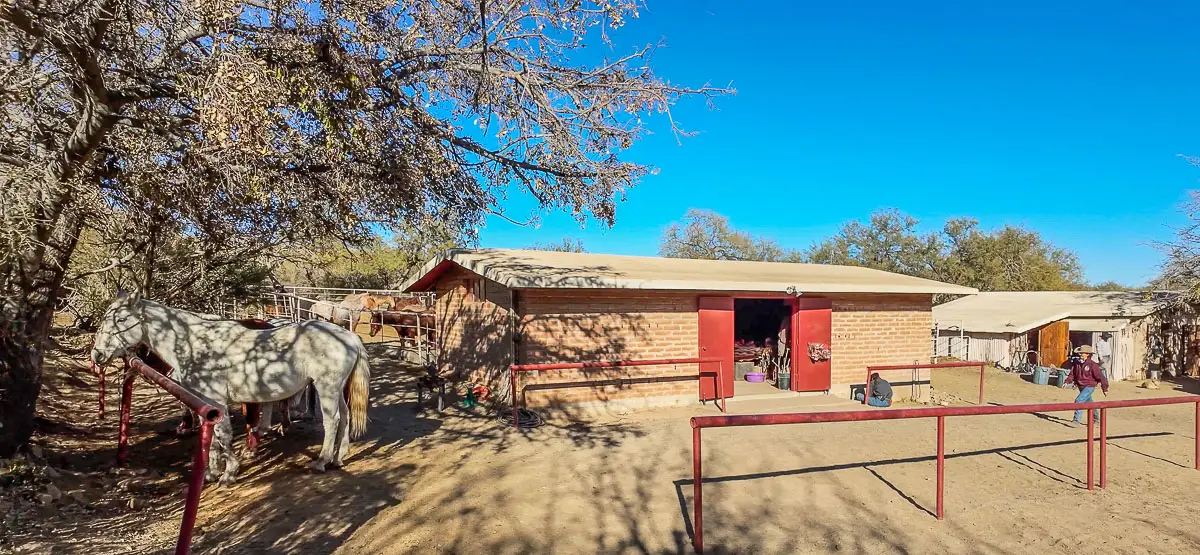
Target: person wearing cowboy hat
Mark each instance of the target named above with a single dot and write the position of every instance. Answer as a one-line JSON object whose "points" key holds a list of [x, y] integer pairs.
{"points": [[1085, 374]]}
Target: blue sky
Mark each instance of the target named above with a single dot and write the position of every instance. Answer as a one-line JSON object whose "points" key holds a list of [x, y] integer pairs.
{"points": [[1063, 117]]}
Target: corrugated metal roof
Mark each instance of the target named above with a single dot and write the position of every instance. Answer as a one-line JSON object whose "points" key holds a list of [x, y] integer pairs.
{"points": [[1021, 311], [1097, 324], [521, 269]]}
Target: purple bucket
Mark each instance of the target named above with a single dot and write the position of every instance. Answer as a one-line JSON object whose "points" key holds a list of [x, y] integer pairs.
{"points": [[756, 376]]}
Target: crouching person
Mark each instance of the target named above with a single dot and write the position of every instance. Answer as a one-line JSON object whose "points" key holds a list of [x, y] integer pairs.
{"points": [[881, 392]]}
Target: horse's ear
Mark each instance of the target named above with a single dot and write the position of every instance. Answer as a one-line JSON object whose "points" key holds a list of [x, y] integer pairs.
{"points": [[136, 295]]}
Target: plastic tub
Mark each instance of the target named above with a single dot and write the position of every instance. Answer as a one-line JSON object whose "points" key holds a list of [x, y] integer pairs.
{"points": [[1060, 378], [1041, 375], [756, 377]]}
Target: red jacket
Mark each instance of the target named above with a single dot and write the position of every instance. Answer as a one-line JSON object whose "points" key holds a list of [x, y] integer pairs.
{"points": [[1087, 374]]}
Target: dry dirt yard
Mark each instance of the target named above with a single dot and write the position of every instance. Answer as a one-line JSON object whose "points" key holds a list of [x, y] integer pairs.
{"points": [[460, 483]]}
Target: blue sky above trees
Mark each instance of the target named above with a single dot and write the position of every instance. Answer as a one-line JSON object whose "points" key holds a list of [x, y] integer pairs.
{"points": [[1044, 115]]}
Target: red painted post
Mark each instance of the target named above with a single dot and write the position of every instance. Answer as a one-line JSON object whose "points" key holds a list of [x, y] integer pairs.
{"points": [[1197, 435], [192, 503], [867, 386], [981, 367], [126, 410], [697, 492], [100, 409], [720, 371], [1090, 446], [253, 412], [941, 465], [513, 373], [1103, 448]]}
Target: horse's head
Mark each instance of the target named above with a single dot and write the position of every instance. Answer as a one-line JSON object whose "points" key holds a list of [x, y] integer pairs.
{"points": [[121, 328], [384, 302]]}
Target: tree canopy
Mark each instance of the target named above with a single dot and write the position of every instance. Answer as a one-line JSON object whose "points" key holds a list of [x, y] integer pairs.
{"points": [[1007, 259], [708, 235], [566, 244], [1181, 269], [245, 129]]}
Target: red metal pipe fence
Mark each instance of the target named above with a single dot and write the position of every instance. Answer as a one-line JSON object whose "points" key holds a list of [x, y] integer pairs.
{"points": [[873, 369], [209, 416], [723, 421], [600, 365]]}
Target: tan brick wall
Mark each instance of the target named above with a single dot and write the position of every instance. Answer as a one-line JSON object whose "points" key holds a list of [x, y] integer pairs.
{"points": [[874, 330], [584, 325], [566, 325], [475, 332]]}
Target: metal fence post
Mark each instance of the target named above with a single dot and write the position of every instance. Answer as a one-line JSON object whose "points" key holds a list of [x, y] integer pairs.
{"points": [[513, 374], [981, 368], [697, 492], [191, 503], [126, 410], [941, 465], [100, 407], [1090, 446], [1103, 448]]}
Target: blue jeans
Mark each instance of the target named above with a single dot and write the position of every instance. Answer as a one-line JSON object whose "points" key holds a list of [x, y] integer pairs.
{"points": [[1085, 396], [873, 401]]}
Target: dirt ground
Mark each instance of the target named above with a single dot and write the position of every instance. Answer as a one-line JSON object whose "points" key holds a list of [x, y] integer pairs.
{"points": [[460, 483]]}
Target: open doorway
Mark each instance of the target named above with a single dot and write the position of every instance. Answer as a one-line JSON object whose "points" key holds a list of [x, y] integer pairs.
{"points": [[762, 346]]}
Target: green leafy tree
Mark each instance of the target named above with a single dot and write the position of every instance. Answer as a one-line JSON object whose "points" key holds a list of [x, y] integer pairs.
{"points": [[1007, 259], [888, 241], [708, 235], [251, 127]]}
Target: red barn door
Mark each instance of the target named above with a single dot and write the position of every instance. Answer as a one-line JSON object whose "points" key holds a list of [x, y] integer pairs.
{"points": [[716, 340], [812, 322]]}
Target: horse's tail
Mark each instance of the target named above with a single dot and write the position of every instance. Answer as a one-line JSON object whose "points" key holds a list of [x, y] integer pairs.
{"points": [[358, 387]]}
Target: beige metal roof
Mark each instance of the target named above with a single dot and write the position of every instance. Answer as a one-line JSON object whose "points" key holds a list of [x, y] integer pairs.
{"points": [[520, 269], [1021, 311], [1097, 324]]}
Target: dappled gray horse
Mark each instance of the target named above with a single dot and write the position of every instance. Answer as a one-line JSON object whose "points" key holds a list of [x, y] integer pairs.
{"points": [[227, 363]]}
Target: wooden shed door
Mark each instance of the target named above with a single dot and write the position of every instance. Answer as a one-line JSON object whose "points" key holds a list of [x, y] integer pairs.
{"points": [[716, 340], [1054, 344], [812, 322]]}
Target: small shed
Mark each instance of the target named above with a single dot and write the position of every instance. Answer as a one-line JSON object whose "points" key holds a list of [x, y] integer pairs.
{"points": [[500, 307], [1009, 327]]}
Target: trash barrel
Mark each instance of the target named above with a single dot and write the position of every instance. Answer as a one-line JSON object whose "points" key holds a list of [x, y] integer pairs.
{"points": [[1041, 375], [1060, 378], [784, 381]]}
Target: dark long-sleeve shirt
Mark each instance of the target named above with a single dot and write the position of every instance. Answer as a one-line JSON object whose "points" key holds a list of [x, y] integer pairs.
{"points": [[1087, 374], [880, 389]]}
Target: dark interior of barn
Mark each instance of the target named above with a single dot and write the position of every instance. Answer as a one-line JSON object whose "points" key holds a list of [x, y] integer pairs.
{"points": [[757, 353]]}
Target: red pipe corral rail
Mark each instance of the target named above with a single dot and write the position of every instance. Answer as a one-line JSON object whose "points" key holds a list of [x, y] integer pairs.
{"points": [[600, 365], [940, 413], [873, 369], [209, 416]]}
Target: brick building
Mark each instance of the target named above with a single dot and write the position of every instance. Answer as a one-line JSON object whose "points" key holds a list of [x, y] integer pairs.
{"points": [[501, 307]]}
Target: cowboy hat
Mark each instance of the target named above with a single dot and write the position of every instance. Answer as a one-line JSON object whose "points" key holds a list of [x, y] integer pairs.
{"points": [[1085, 350]]}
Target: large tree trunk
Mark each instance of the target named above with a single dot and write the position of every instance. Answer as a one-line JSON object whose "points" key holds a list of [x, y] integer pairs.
{"points": [[22, 349]]}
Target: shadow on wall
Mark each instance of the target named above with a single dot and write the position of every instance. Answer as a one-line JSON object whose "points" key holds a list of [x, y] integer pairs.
{"points": [[483, 336]]}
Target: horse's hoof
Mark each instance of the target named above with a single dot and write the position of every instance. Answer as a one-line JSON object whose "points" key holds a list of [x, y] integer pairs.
{"points": [[317, 466], [228, 480], [210, 478], [337, 464]]}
